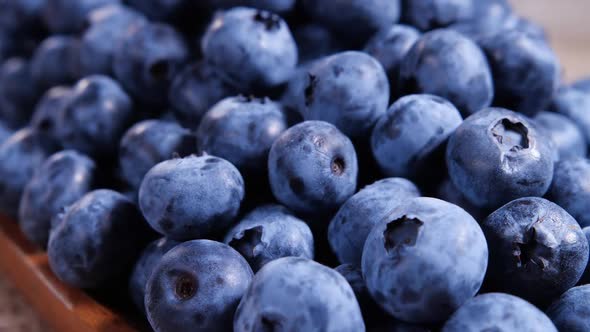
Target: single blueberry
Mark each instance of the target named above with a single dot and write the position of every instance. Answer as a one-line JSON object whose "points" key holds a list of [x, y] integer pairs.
{"points": [[192, 197], [97, 238], [406, 139], [242, 131], [145, 265], [573, 103], [69, 16], [446, 63], [352, 224], [270, 232], [150, 142], [253, 49], [60, 181], [537, 250], [348, 89], [196, 286], [95, 116], [571, 312], [424, 260], [283, 296], [48, 111], [312, 168], [18, 92], [525, 70], [497, 155], [571, 188], [21, 155], [56, 61], [194, 90], [498, 312], [148, 58], [106, 32], [569, 140]]}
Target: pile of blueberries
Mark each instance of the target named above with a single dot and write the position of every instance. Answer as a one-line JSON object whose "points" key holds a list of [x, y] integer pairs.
{"points": [[300, 165]]}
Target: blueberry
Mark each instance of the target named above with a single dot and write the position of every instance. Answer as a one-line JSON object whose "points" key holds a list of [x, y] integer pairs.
{"points": [[242, 130], [348, 89], [270, 232], [56, 61], [277, 6], [582, 84], [194, 90], [21, 155], [390, 45], [571, 188], [95, 116], [355, 19], [448, 192], [571, 312], [68, 16], [148, 58], [497, 155], [431, 14], [314, 41], [573, 103], [283, 296], [586, 276], [147, 262], [196, 286], [405, 140], [352, 224], [354, 277], [253, 49], [490, 18], [525, 70], [97, 238], [312, 168], [150, 142], [18, 92], [566, 135], [498, 312], [48, 111], [445, 63], [192, 197], [424, 260], [60, 181], [537, 250], [104, 35]]}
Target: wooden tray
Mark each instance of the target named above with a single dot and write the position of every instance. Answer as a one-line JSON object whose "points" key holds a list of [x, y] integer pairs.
{"points": [[64, 308]]}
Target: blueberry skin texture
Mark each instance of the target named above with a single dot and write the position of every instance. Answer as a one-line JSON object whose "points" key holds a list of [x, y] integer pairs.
{"points": [[252, 49], [63, 178], [566, 135], [95, 116], [145, 265], [571, 188], [150, 142], [312, 168], [571, 311], [47, 111], [356, 19], [242, 131], [413, 128], [194, 91], [332, 92], [352, 224], [537, 250], [196, 286], [447, 64], [21, 155], [390, 45], [525, 70], [424, 260], [97, 238], [283, 295], [586, 276], [503, 148], [148, 59], [105, 33], [573, 103], [56, 61], [498, 312], [18, 92], [270, 232], [69, 16], [192, 197]]}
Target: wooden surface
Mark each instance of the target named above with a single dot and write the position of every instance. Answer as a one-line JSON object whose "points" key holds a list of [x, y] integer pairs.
{"points": [[65, 308]]}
